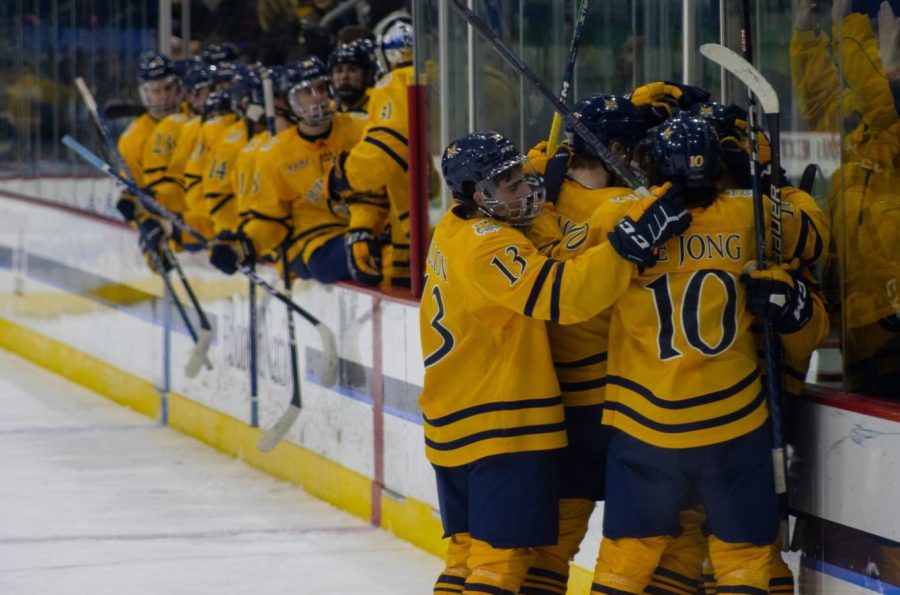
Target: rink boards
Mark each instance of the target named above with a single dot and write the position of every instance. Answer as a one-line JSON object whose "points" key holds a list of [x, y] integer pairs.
{"points": [[77, 298]]}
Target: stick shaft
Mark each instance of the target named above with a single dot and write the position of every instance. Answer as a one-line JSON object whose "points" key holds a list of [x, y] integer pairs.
{"points": [[575, 123], [568, 76]]}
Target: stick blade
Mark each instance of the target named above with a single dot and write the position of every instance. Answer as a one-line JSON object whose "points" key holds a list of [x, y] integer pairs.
{"points": [[328, 371], [198, 355], [745, 72], [808, 179], [276, 433]]}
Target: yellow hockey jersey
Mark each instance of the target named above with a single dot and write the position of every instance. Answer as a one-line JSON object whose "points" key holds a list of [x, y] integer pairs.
{"points": [[583, 217], [290, 169], [246, 179], [158, 153], [132, 145], [170, 189], [218, 184], [196, 213], [489, 385], [811, 248], [380, 163], [684, 371]]}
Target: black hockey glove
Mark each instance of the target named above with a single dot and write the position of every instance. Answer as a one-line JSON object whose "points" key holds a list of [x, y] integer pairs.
{"points": [[231, 252], [891, 323], [128, 206], [650, 224], [777, 294]]}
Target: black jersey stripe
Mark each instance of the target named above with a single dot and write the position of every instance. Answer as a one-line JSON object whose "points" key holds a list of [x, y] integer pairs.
{"points": [[389, 151], [389, 131], [688, 426], [705, 399], [224, 202], [580, 363], [496, 433], [554, 292], [538, 287], [494, 406]]}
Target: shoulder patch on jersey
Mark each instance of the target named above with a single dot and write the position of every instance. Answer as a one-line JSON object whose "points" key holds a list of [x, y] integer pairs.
{"points": [[179, 117], [268, 146], [625, 198], [314, 193], [358, 115], [299, 164], [385, 80], [484, 227]]}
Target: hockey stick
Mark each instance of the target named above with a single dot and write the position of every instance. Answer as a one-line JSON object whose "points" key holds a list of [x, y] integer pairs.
{"points": [[610, 160], [328, 374], [568, 76], [808, 179], [329, 364], [202, 339], [328, 370], [762, 90], [277, 432]]}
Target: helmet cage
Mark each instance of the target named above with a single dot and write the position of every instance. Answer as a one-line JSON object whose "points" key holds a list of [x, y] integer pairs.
{"points": [[318, 113], [164, 106], [519, 210]]}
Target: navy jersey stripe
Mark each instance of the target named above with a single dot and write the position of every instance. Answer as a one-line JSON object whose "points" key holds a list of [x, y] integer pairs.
{"points": [[498, 433], [580, 363], [554, 292], [538, 287], [706, 399], [688, 426], [495, 406], [390, 152]]}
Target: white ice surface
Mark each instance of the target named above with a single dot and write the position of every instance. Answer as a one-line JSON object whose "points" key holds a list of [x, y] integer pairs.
{"points": [[95, 498]]}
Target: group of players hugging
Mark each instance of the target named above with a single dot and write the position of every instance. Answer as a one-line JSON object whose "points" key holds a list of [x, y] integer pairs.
{"points": [[585, 343]]}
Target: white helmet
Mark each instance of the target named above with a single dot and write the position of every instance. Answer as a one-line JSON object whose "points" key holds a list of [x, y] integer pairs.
{"points": [[395, 39]]}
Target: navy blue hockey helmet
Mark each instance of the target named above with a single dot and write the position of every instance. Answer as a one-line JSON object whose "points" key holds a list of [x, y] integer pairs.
{"points": [[479, 162], [247, 93], [196, 77], [683, 150], [159, 86], [218, 103], [360, 52], [216, 53], [183, 65], [153, 66], [609, 117], [223, 72], [197, 83], [309, 90], [722, 117], [280, 84]]}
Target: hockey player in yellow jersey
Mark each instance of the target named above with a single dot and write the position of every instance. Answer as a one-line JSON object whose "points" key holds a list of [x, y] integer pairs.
{"points": [[246, 179], [234, 247], [495, 439], [219, 196], [380, 161], [173, 139], [584, 193], [160, 92], [218, 116], [288, 209], [683, 382], [352, 68]]}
